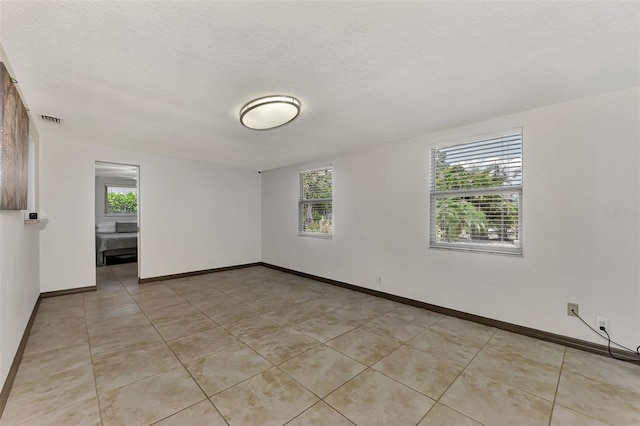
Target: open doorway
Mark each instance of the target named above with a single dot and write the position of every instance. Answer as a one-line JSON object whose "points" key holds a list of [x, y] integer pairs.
{"points": [[116, 214]]}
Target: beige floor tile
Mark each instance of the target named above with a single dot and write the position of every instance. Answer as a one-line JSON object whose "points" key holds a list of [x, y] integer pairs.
{"points": [[393, 328], [183, 287], [477, 333], [151, 290], [129, 281], [440, 415], [108, 303], [246, 295], [59, 390], [57, 317], [151, 399], [39, 366], [168, 313], [491, 402], [186, 287], [51, 323], [126, 367], [119, 323], [266, 303], [363, 346], [101, 315], [603, 369], [270, 398], [374, 399], [320, 415], [86, 413], [202, 344], [353, 314], [107, 283], [603, 401], [323, 327], [282, 344], [298, 294], [104, 344], [445, 346], [207, 302], [60, 303], [502, 385], [201, 414], [230, 314], [292, 314], [324, 304], [148, 301], [185, 326], [105, 292], [226, 368], [418, 316], [380, 305], [515, 370], [426, 374], [322, 369], [42, 342], [252, 328], [528, 347], [565, 417]]}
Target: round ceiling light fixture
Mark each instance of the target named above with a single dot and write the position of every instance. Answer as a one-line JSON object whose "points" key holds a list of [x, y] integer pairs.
{"points": [[269, 112]]}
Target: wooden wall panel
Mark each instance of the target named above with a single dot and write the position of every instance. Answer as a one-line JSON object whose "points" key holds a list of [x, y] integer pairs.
{"points": [[14, 146]]}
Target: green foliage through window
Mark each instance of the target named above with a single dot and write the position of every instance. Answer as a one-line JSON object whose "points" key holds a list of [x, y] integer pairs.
{"points": [[121, 200], [476, 195], [315, 208]]}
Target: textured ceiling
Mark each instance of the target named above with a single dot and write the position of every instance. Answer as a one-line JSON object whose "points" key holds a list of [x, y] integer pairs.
{"points": [[170, 77]]}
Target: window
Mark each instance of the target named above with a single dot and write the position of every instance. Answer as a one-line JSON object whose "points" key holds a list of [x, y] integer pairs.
{"points": [[315, 207], [121, 200], [476, 195]]}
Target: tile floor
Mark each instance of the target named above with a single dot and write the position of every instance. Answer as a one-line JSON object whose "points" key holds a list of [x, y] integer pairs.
{"points": [[260, 347]]}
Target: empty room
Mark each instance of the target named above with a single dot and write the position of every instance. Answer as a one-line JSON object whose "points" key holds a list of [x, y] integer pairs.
{"points": [[319, 213]]}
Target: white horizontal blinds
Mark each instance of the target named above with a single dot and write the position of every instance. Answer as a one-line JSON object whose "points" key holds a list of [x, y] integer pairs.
{"points": [[484, 164], [315, 207], [476, 195]]}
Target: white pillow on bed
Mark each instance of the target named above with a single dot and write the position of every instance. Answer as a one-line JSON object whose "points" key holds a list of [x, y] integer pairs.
{"points": [[106, 227]]}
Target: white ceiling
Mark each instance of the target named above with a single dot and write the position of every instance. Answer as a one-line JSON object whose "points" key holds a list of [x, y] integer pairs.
{"points": [[170, 77]]}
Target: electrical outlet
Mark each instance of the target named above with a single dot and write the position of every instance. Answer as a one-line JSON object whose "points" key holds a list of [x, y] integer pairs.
{"points": [[572, 307], [379, 282], [602, 322]]}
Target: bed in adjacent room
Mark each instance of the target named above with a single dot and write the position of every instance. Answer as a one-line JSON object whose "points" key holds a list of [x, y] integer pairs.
{"points": [[115, 239]]}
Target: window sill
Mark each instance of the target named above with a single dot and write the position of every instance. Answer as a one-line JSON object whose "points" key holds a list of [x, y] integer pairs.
{"points": [[315, 235], [472, 249]]}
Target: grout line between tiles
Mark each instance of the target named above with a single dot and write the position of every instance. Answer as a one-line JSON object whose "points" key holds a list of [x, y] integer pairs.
{"points": [[555, 394], [319, 345], [93, 372], [460, 374], [207, 397], [309, 408]]}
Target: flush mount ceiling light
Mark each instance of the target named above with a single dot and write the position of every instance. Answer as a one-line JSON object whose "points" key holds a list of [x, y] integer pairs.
{"points": [[269, 112]]}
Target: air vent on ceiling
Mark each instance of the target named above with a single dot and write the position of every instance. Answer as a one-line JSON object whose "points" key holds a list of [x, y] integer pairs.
{"points": [[50, 119]]}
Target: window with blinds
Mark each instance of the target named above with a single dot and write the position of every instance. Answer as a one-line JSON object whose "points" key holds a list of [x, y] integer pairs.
{"points": [[315, 206], [476, 195], [120, 200]]}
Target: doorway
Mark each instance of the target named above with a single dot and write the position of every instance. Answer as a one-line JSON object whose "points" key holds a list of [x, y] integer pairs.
{"points": [[117, 216]]}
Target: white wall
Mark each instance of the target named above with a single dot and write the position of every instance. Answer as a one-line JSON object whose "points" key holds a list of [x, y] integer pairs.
{"points": [[101, 181], [193, 215], [19, 287], [580, 159]]}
